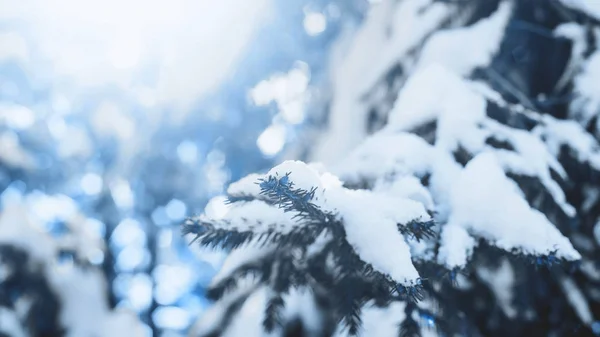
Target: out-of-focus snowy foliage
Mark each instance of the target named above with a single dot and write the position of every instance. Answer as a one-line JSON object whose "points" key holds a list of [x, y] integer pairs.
{"points": [[49, 285], [120, 118], [457, 189]]}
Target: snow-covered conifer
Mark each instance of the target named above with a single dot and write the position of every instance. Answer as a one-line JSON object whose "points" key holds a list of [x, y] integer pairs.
{"points": [[459, 190]]}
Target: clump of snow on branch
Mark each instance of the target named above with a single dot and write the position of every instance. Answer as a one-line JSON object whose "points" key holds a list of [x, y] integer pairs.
{"points": [[394, 29], [458, 108], [482, 39], [257, 216], [370, 221], [408, 35], [489, 205], [370, 218]]}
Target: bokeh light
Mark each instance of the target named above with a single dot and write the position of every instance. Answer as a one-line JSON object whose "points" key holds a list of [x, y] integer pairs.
{"points": [[119, 119]]}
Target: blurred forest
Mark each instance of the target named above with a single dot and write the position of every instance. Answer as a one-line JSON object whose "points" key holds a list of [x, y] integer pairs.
{"points": [[120, 118]]}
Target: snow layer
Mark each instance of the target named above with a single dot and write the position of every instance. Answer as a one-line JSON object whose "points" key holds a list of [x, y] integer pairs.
{"points": [[256, 216], [394, 29], [389, 157], [386, 154], [370, 221], [456, 246], [435, 93], [490, 205], [577, 34], [459, 109], [457, 106], [302, 175], [530, 157], [370, 218], [586, 104], [407, 186], [247, 186], [585, 82], [482, 40], [557, 133]]}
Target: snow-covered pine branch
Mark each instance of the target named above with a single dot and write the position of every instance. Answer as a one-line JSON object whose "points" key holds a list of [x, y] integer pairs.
{"points": [[319, 237], [467, 172], [316, 235], [469, 163], [452, 170]]}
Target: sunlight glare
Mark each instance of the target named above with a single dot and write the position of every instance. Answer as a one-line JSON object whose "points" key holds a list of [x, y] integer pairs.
{"points": [[178, 49]]}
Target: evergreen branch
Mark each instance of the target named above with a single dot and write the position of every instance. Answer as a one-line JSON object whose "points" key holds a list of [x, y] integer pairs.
{"points": [[261, 268], [317, 268], [413, 292], [418, 229], [196, 227], [210, 236], [301, 236], [221, 238], [432, 271], [232, 309], [547, 261], [409, 327], [273, 312], [215, 293], [492, 255], [298, 200], [349, 293], [352, 320]]}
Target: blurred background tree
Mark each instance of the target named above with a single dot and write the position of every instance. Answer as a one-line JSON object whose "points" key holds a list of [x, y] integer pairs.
{"points": [[120, 118]]}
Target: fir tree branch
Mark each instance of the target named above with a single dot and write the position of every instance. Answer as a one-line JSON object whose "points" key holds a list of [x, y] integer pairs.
{"points": [[409, 327], [282, 192], [418, 229]]}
